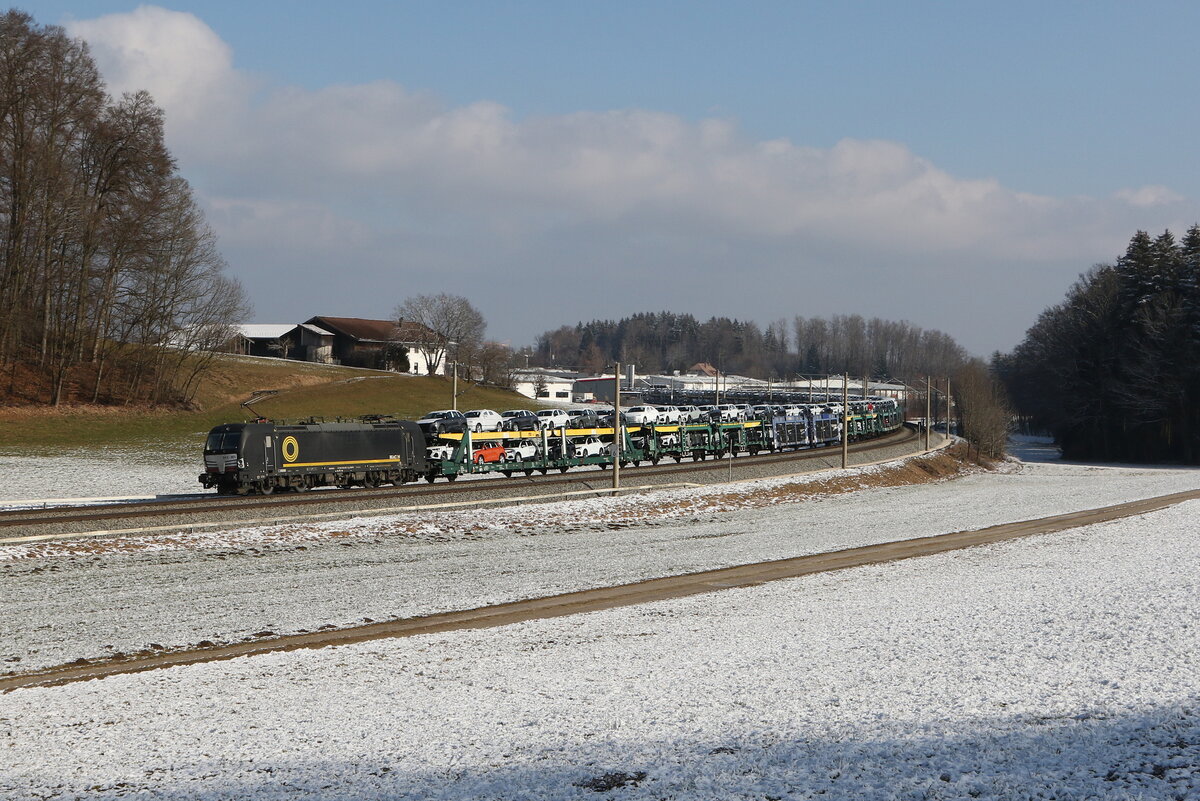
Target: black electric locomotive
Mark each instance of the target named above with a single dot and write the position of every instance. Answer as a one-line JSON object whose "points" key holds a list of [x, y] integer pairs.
{"points": [[263, 457]]}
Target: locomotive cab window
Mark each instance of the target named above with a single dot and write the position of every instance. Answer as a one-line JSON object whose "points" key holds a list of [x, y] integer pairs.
{"points": [[227, 441]]}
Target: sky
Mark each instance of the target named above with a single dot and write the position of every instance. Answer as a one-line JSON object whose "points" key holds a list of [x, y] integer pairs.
{"points": [[957, 165]]}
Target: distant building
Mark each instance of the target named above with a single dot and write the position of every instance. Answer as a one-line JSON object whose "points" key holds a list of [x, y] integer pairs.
{"points": [[304, 342], [262, 339], [361, 342], [542, 384], [352, 341], [315, 344]]}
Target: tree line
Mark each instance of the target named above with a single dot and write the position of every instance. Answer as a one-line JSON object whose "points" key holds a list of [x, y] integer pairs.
{"points": [[112, 285], [666, 341], [1114, 370]]}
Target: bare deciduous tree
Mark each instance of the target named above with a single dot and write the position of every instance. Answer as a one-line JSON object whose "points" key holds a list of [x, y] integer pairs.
{"points": [[453, 327], [495, 364], [102, 250], [982, 408]]}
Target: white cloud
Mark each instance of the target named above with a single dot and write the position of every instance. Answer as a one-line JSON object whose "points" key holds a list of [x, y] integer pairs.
{"points": [[1146, 197], [381, 141], [361, 172], [293, 227], [171, 54]]}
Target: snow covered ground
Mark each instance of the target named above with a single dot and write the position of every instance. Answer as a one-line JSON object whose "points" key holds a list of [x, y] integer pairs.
{"points": [[71, 473], [1061, 666]]}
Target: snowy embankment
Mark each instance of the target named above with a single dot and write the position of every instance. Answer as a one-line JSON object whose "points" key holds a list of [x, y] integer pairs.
{"points": [[1059, 666]]}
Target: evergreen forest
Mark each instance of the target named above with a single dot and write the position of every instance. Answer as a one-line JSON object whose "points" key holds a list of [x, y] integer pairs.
{"points": [[1114, 370]]}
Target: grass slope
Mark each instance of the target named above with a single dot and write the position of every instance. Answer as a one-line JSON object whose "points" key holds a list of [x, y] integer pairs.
{"points": [[305, 390]]}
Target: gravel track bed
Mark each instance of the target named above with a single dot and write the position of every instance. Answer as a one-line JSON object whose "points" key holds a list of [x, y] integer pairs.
{"points": [[468, 490]]}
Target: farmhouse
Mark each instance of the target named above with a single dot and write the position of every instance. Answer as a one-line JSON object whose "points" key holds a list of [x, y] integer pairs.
{"points": [[352, 341]]}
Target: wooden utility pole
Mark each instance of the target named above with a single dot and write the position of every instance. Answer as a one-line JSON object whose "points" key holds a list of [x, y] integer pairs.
{"points": [[454, 387], [845, 420], [928, 410], [616, 447], [947, 407]]}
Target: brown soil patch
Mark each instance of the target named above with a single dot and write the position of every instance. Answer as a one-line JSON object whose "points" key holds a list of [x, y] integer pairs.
{"points": [[940, 466]]}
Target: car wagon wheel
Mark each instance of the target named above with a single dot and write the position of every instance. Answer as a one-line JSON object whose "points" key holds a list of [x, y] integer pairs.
{"points": [[452, 477], [266, 488], [507, 473]]}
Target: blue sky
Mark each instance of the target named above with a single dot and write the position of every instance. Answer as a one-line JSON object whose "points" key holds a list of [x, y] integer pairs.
{"points": [[953, 164]]}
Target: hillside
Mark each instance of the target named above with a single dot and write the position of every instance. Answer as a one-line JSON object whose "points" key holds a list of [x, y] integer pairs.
{"points": [[305, 390]]}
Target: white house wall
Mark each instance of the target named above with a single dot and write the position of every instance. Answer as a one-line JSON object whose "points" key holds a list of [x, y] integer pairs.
{"points": [[553, 388]]}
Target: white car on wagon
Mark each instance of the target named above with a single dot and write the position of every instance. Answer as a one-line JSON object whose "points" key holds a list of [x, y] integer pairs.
{"points": [[553, 418], [589, 446], [669, 414], [520, 450], [483, 420], [642, 416]]}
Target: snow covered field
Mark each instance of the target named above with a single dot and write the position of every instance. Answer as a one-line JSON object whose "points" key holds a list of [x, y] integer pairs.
{"points": [[1061, 666], [88, 474]]}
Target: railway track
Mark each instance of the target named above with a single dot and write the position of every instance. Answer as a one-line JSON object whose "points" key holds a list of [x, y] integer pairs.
{"points": [[25, 525], [598, 598]]}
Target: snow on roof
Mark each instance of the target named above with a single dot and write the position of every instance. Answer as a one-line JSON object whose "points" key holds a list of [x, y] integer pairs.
{"points": [[265, 330], [532, 373]]}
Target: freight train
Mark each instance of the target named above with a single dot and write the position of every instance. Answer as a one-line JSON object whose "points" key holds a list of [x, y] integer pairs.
{"points": [[264, 456]]}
